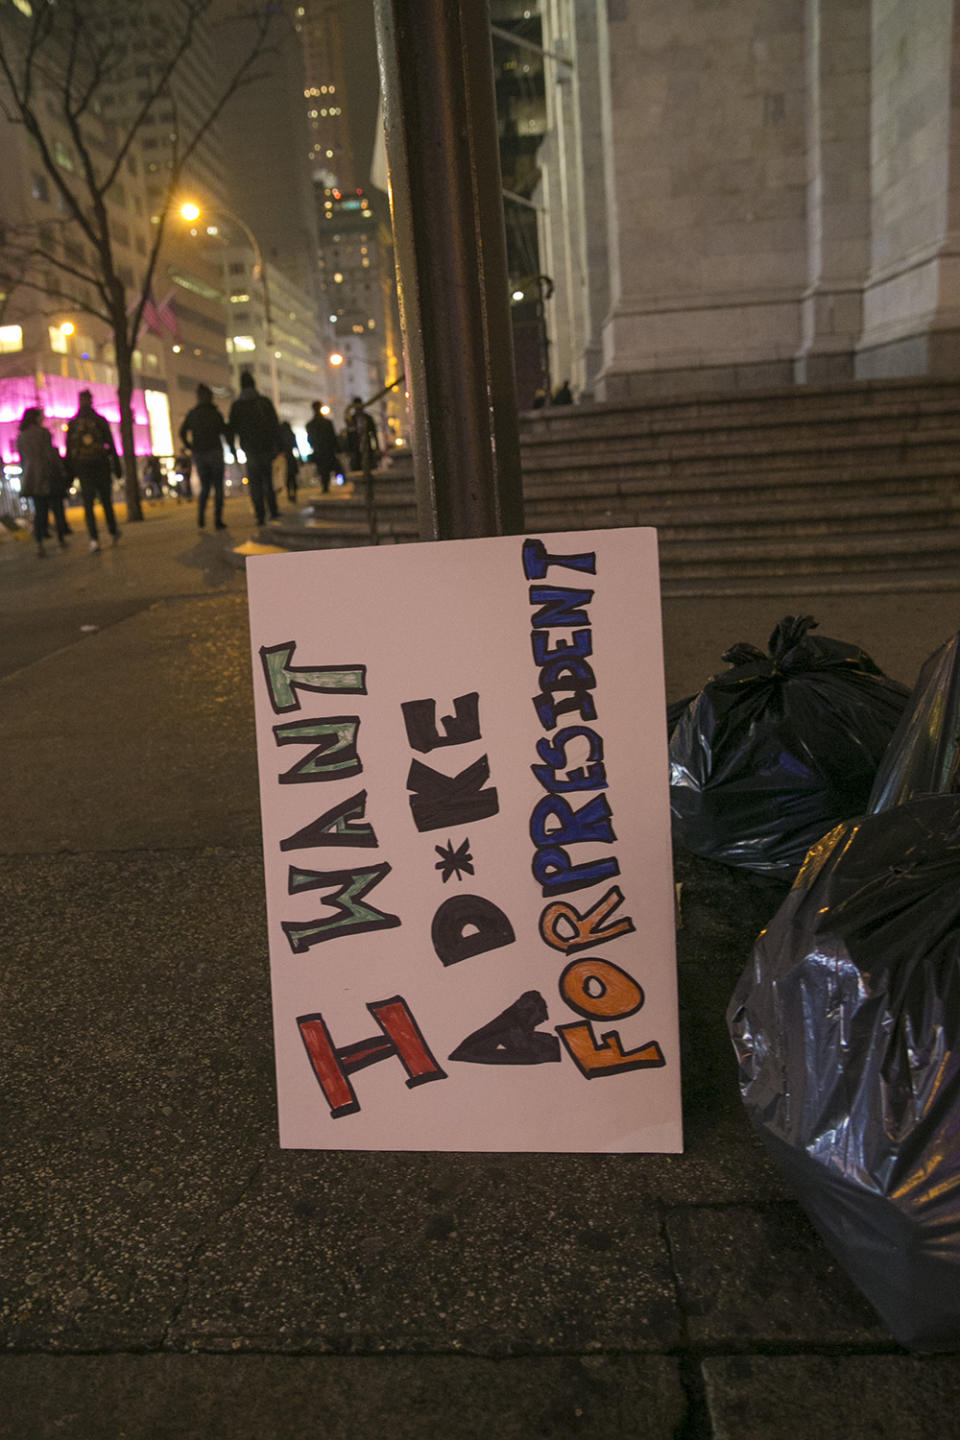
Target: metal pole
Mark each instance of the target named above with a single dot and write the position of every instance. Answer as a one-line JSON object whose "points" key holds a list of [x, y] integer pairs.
{"points": [[436, 75]]}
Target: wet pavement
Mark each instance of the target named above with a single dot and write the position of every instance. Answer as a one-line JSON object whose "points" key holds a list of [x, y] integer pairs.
{"points": [[168, 1271]]}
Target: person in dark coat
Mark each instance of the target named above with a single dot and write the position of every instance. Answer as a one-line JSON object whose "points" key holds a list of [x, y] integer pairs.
{"points": [[291, 457], [361, 432], [323, 445], [253, 421], [563, 394], [153, 478], [93, 460], [43, 477], [203, 432]]}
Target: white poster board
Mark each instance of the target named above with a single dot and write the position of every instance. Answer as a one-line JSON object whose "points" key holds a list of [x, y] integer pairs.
{"points": [[464, 788]]}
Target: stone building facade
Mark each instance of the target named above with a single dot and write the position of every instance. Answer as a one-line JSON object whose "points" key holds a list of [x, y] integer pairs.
{"points": [[748, 193]]}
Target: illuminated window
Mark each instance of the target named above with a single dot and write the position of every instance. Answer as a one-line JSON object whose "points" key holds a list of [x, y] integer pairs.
{"points": [[239, 299], [62, 155], [11, 338], [244, 342]]}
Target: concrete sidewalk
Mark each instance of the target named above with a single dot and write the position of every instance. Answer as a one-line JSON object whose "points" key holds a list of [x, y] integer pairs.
{"points": [[170, 1272]]}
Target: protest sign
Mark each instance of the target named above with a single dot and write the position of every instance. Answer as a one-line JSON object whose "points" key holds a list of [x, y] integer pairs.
{"points": [[464, 790]]}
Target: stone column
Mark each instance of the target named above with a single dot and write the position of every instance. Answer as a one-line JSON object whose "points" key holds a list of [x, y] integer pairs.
{"points": [[838, 187], [706, 193], [911, 317]]}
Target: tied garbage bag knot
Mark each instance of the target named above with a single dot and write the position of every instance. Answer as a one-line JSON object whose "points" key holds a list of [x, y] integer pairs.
{"points": [[776, 751]]}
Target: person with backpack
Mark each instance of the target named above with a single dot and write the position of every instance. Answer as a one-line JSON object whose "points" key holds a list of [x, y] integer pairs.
{"points": [[254, 424], [92, 459]]}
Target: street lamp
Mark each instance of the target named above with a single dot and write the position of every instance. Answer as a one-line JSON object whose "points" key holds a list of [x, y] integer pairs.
{"points": [[191, 212]]}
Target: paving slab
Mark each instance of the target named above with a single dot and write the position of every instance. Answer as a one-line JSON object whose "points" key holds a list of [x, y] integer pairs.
{"points": [[264, 1397], [485, 1254], [858, 1397], [153, 719], [137, 1081], [761, 1276], [70, 589]]}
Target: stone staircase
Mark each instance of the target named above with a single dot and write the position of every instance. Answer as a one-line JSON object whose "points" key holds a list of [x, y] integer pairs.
{"points": [[850, 488]]}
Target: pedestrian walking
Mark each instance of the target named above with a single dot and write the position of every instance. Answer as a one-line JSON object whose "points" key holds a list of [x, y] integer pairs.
{"points": [[203, 432], [291, 457], [92, 459], [182, 466], [253, 422], [153, 478], [43, 478], [324, 446], [361, 435]]}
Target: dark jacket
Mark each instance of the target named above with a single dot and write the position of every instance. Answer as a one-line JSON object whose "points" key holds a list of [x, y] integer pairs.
{"points": [[203, 427], [323, 440], [90, 447], [254, 421], [360, 424], [43, 472]]}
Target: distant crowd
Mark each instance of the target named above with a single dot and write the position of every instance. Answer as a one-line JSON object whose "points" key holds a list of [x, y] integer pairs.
{"points": [[208, 441]]}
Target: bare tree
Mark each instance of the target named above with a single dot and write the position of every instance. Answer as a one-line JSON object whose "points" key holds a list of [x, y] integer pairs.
{"points": [[98, 72]]}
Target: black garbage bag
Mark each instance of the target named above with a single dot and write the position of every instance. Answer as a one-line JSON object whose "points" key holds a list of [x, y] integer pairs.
{"points": [[846, 1025], [780, 748], [924, 755], [675, 709]]}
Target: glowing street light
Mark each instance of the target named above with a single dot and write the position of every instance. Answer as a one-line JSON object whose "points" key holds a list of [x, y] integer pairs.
{"points": [[336, 358], [68, 328], [190, 211]]}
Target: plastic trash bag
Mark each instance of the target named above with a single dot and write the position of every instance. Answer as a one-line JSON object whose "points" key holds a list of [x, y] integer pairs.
{"points": [[675, 710], [924, 755], [780, 748], [846, 1025]]}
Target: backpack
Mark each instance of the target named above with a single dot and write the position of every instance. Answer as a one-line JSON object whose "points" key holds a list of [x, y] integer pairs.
{"points": [[84, 440]]}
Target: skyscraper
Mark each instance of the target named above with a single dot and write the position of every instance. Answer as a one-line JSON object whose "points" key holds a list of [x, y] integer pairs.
{"points": [[330, 146]]}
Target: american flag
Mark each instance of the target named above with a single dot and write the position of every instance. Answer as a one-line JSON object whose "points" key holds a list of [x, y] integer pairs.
{"points": [[158, 318]]}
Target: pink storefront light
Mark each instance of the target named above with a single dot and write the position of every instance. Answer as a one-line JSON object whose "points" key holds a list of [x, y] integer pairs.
{"points": [[58, 397]]}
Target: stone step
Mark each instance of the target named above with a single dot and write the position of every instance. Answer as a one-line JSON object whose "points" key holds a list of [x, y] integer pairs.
{"points": [[822, 486], [881, 550], [696, 455], [825, 582], [678, 506], [713, 486], [813, 405]]}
